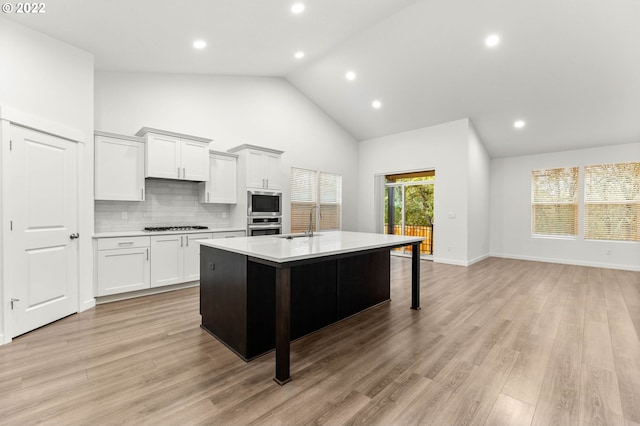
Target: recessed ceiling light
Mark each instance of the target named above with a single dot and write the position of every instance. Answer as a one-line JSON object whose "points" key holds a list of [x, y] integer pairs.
{"points": [[297, 8], [492, 41], [299, 54], [199, 44], [376, 104], [350, 75], [519, 124]]}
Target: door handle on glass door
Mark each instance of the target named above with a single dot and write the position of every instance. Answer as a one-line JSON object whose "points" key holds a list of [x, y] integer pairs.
{"points": [[74, 236]]}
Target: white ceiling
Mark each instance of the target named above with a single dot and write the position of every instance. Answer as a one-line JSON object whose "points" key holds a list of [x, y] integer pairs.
{"points": [[569, 68]]}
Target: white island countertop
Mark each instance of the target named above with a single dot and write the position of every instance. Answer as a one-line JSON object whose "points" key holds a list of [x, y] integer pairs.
{"points": [[278, 249]]}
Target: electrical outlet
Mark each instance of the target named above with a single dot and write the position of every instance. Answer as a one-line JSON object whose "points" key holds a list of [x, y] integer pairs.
{"points": [[125, 215]]}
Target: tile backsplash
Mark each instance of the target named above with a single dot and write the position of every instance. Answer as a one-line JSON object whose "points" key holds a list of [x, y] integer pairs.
{"points": [[168, 202]]}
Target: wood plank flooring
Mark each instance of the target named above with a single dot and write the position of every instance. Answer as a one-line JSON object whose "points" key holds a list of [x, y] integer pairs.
{"points": [[503, 342]]}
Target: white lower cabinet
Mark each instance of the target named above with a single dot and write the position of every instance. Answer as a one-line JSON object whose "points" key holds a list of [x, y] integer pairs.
{"points": [[122, 265], [136, 263], [175, 258]]}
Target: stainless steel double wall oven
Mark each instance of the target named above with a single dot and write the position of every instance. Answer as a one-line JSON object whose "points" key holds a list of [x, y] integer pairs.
{"points": [[264, 213]]}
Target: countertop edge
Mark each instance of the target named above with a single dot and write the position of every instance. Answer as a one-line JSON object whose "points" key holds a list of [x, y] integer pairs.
{"points": [[216, 244]]}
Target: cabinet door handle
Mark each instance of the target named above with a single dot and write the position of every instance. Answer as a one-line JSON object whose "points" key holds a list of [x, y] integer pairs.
{"points": [[181, 242], [142, 194], [207, 197], [184, 173], [267, 182], [187, 238], [178, 171], [147, 254]]}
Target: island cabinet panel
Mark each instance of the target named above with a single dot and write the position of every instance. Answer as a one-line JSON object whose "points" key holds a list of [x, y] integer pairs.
{"points": [[261, 314], [237, 296], [223, 297], [313, 297], [363, 281]]}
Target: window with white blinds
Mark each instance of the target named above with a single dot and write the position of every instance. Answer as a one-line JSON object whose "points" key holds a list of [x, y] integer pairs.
{"points": [[612, 202], [554, 201], [314, 188]]}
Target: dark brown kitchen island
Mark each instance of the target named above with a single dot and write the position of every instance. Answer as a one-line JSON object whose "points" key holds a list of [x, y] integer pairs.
{"points": [[258, 293]]}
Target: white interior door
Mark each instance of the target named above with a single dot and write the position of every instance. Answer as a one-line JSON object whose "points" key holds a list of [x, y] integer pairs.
{"points": [[42, 255]]}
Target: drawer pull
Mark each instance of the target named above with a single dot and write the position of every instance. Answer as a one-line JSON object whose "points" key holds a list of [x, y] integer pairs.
{"points": [[126, 243]]}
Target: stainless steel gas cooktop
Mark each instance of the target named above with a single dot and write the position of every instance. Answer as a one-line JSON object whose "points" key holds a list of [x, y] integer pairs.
{"points": [[175, 228]]}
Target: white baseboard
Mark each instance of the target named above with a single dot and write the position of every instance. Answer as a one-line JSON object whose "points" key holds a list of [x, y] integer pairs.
{"points": [[478, 259], [450, 261], [460, 262], [87, 304], [568, 262], [146, 292]]}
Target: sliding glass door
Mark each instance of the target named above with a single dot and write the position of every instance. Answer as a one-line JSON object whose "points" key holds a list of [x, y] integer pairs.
{"points": [[408, 208]]}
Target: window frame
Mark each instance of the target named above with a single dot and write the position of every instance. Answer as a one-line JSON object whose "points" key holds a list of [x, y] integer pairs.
{"points": [[586, 202], [317, 202], [576, 203]]}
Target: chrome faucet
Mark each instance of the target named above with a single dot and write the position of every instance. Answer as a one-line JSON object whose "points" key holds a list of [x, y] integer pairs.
{"points": [[310, 231]]}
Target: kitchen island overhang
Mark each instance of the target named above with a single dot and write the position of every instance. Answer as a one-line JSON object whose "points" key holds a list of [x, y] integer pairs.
{"points": [[246, 298]]}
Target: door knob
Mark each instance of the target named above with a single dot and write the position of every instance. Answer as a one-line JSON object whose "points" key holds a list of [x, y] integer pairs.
{"points": [[74, 236]]}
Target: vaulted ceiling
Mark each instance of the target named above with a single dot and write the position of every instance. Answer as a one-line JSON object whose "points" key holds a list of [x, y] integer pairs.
{"points": [[570, 69]]}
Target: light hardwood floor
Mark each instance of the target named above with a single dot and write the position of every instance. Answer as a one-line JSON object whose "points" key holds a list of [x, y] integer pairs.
{"points": [[503, 342]]}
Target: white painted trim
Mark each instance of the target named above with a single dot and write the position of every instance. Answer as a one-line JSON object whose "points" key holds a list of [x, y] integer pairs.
{"points": [[568, 262], [256, 147], [146, 292], [450, 261], [461, 262], [478, 259], [87, 304], [143, 132], [119, 136], [39, 124], [4, 303]]}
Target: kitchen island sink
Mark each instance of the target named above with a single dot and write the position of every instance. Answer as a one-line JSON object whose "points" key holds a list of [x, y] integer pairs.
{"points": [[292, 236]]}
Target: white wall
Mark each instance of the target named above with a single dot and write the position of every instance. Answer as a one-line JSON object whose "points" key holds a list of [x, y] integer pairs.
{"points": [[511, 211], [479, 180], [49, 79], [443, 148], [261, 111]]}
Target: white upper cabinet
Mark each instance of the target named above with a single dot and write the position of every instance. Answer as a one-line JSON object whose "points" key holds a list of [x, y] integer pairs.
{"points": [[172, 155], [222, 187], [119, 167], [260, 166]]}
